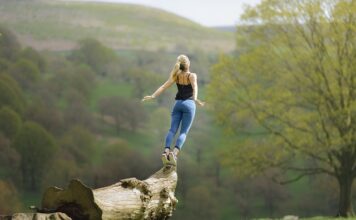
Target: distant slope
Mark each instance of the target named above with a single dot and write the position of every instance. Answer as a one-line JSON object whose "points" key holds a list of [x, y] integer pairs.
{"points": [[226, 28], [58, 25]]}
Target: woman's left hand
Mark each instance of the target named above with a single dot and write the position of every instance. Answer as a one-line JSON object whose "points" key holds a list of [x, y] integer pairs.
{"points": [[147, 97], [200, 102]]}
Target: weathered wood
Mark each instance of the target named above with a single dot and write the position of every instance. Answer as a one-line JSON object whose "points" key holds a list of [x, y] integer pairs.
{"points": [[36, 216], [150, 199]]}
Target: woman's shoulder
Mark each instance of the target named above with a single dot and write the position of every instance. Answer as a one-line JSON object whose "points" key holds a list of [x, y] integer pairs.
{"points": [[192, 75]]}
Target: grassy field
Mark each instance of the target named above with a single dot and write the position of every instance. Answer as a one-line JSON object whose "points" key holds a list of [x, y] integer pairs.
{"points": [[314, 218], [58, 25]]}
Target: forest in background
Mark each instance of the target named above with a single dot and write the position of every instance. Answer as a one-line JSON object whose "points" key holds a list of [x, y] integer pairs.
{"points": [[77, 114]]}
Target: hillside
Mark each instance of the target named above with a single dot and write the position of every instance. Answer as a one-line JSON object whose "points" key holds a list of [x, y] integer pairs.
{"points": [[58, 25]]}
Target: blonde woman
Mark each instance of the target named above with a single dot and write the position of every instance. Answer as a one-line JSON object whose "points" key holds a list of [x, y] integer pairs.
{"points": [[184, 108]]}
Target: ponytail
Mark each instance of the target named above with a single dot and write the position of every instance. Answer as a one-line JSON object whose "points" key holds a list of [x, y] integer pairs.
{"points": [[182, 64], [176, 69]]}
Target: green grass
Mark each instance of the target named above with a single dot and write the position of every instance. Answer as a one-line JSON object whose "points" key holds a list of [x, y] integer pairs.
{"points": [[314, 218], [108, 88], [29, 199], [328, 218], [58, 25]]}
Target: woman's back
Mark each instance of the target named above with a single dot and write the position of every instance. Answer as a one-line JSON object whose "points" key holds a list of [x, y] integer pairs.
{"points": [[185, 89]]}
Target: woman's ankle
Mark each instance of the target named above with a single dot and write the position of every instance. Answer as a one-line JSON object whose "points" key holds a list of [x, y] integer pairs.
{"points": [[176, 151], [166, 150]]}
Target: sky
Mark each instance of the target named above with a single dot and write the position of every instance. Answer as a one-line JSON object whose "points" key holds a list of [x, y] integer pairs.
{"points": [[205, 12]]}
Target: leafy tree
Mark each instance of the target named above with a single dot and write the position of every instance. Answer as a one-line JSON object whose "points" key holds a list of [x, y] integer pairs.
{"points": [[10, 122], [82, 80], [143, 81], [126, 113], [45, 114], [4, 65], [9, 161], [37, 149], [79, 142], [63, 169], [9, 198], [95, 55], [9, 46], [25, 72], [36, 58], [13, 84], [290, 93], [119, 161], [10, 94], [76, 112], [200, 204]]}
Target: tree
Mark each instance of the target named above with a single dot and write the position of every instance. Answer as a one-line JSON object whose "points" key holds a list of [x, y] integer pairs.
{"points": [[9, 161], [117, 163], [37, 148], [95, 55], [11, 94], [289, 93], [25, 72], [143, 81], [125, 113], [79, 142], [9, 46], [45, 113], [10, 122], [200, 203], [76, 111], [33, 55], [9, 198]]}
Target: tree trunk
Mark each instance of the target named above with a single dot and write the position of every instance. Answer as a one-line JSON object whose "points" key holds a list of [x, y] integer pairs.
{"points": [[345, 201], [151, 199]]}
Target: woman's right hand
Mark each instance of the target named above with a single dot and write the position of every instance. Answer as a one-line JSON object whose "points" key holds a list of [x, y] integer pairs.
{"points": [[147, 97]]}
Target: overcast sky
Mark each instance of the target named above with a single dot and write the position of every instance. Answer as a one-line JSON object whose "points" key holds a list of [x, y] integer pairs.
{"points": [[205, 12]]}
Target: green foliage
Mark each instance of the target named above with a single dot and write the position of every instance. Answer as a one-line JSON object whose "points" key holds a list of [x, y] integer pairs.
{"points": [[200, 203], [36, 58], [121, 161], [45, 114], [9, 161], [95, 55], [4, 65], [289, 92], [10, 122], [25, 72], [9, 198], [10, 94], [79, 142], [9, 46], [37, 149], [143, 82], [282, 86], [125, 113]]}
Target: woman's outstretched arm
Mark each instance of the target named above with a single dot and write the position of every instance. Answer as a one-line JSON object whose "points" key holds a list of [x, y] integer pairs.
{"points": [[163, 87], [193, 81]]}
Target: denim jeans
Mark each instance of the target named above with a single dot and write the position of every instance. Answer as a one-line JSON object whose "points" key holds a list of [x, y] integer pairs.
{"points": [[182, 114]]}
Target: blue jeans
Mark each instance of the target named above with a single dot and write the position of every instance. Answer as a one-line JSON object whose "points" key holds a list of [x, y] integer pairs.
{"points": [[183, 113]]}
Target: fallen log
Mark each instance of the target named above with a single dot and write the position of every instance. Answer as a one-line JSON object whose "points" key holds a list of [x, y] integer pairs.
{"points": [[150, 199]]}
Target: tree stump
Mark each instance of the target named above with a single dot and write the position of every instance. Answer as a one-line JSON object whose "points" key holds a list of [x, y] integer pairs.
{"points": [[150, 199]]}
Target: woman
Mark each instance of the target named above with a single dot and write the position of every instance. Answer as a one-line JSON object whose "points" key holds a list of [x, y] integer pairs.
{"points": [[184, 108]]}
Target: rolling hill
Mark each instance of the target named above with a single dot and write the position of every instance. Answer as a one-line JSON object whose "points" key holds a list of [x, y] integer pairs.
{"points": [[58, 25]]}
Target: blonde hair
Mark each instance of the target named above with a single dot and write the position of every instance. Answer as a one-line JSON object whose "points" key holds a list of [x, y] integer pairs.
{"points": [[181, 64]]}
